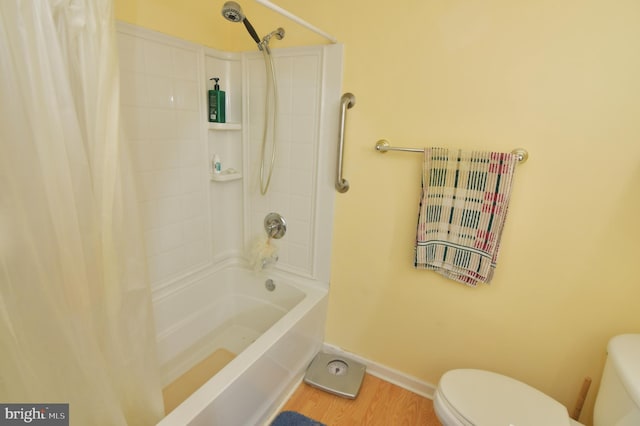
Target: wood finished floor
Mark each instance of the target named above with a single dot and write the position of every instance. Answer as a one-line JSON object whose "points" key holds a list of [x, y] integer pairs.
{"points": [[378, 403]]}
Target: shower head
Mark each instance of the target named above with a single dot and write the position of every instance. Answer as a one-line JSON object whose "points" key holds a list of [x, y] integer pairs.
{"points": [[279, 34], [233, 12]]}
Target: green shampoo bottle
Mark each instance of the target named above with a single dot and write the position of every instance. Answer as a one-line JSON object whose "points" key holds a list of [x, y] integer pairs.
{"points": [[216, 103]]}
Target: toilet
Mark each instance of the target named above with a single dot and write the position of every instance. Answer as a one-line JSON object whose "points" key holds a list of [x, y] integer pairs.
{"points": [[470, 397]]}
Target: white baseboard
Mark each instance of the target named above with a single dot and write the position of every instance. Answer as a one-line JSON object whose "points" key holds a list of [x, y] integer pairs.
{"points": [[388, 374]]}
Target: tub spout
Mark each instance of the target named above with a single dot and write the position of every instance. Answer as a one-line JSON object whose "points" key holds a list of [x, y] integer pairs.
{"points": [[269, 261]]}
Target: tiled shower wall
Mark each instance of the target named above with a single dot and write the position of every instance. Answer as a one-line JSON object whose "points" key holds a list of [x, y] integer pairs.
{"points": [[161, 113], [191, 222], [293, 185]]}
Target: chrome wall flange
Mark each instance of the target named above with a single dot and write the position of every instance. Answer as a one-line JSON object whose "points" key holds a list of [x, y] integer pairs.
{"points": [[275, 225]]}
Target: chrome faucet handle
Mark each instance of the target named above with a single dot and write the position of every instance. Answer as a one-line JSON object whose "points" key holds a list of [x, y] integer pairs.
{"points": [[275, 225]]}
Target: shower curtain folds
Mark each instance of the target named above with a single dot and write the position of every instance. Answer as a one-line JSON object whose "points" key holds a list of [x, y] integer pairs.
{"points": [[76, 322]]}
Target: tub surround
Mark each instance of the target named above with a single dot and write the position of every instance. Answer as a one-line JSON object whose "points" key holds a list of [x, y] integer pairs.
{"points": [[211, 312]]}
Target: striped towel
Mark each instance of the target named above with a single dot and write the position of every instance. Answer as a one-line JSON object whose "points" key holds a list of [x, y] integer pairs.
{"points": [[465, 196]]}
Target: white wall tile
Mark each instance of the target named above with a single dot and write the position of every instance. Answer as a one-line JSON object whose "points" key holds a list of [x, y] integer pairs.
{"points": [[299, 256], [165, 265], [280, 202], [257, 78], [186, 95], [161, 183], [185, 64], [133, 88], [161, 124], [192, 205], [166, 211], [284, 72], [194, 229], [283, 252], [195, 252], [300, 129], [157, 59], [164, 155], [130, 52], [159, 91], [305, 70], [293, 185], [301, 207], [160, 116], [280, 182], [164, 238], [190, 154], [302, 156], [301, 182], [304, 101], [188, 124], [283, 151], [299, 232], [256, 107], [191, 180]]}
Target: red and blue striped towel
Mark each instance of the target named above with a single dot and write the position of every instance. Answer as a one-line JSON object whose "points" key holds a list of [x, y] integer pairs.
{"points": [[465, 197]]}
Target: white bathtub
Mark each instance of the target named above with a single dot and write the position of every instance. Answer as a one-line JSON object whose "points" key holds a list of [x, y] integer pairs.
{"points": [[274, 333]]}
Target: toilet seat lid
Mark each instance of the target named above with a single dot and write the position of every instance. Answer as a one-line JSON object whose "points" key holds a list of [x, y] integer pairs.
{"points": [[624, 352], [484, 398]]}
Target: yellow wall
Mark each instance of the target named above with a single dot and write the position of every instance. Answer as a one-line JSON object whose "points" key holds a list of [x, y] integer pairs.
{"points": [[201, 21], [558, 78]]}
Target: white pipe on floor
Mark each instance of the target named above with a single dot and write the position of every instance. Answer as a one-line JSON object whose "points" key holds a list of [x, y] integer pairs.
{"points": [[294, 18]]}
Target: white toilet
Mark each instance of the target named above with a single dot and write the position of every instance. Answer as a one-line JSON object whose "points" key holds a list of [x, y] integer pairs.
{"points": [[469, 397]]}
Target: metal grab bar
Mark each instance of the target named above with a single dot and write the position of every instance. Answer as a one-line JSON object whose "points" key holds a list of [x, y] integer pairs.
{"points": [[348, 100]]}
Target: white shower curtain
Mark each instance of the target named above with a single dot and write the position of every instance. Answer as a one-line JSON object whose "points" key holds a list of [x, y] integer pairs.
{"points": [[76, 322]]}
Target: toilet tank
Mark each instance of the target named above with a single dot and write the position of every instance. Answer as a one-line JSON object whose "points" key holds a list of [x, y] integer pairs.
{"points": [[618, 400]]}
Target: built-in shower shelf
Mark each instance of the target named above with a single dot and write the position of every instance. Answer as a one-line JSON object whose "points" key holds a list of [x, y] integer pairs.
{"points": [[225, 126], [225, 177]]}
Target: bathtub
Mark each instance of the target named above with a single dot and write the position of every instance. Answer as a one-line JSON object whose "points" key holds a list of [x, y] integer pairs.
{"points": [[274, 334]]}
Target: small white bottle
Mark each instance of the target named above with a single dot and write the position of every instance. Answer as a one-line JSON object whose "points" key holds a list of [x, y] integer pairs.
{"points": [[216, 165]]}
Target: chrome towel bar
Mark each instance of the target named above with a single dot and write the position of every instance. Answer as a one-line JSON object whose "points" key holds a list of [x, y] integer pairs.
{"points": [[348, 100], [383, 146]]}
